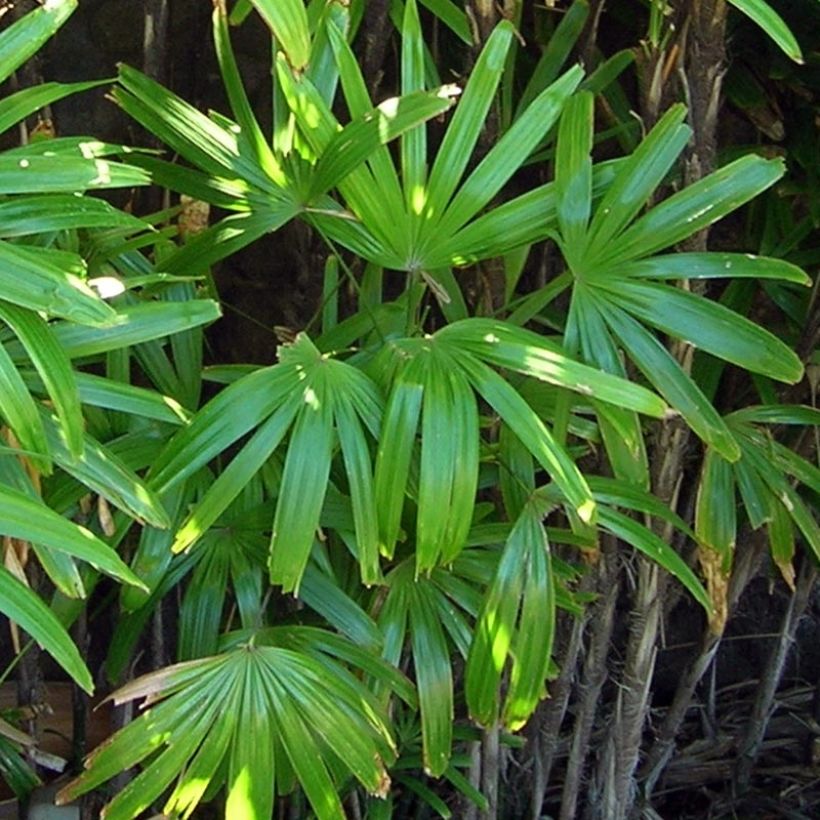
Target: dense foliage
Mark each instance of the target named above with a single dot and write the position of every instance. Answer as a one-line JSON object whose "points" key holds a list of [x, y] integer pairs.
{"points": [[530, 397]]}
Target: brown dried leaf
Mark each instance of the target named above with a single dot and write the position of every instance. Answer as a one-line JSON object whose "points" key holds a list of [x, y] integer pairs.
{"points": [[717, 585], [44, 130], [152, 685], [193, 218], [15, 557], [105, 517], [31, 471], [787, 571]]}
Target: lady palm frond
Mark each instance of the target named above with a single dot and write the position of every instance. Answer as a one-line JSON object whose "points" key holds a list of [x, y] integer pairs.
{"points": [[252, 719]]}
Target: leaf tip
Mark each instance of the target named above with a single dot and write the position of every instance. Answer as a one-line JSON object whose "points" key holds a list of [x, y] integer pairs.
{"points": [[586, 511]]}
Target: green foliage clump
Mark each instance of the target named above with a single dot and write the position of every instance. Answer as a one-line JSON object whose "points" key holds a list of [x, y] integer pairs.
{"points": [[373, 539]]}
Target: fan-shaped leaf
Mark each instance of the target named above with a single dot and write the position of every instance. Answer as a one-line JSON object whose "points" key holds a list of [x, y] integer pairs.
{"points": [[636, 179], [233, 479], [526, 352], [468, 120], [533, 434]]}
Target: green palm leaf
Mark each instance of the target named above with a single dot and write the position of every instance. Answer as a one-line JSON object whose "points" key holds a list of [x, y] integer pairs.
{"points": [[526, 352], [101, 470], [34, 279], [707, 325], [251, 130], [531, 649], [233, 479], [452, 16], [449, 436], [468, 120], [665, 373], [401, 418], [516, 624], [126, 398], [381, 167], [524, 219], [27, 216], [533, 434], [715, 510], [713, 265], [16, 107], [22, 40], [54, 368], [289, 22], [757, 456], [23, 607], [359, 469], [637, 178], [502, 161], [413, 144], [20, 413], [351, 146], [221, 422], [30, 520], [304, 483], [275, 695], [644, 540], [433, 678], [573, 171], [694, 208], [31, 172], [196, 137], [772, 23], [135, 324]]}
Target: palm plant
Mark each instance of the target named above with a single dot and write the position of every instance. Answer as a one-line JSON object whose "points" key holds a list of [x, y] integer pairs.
{"points": [[383, 527], [52, 315]]}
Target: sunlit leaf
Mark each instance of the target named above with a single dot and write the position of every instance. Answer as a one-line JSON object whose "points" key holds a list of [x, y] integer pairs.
{"points": [[54, 368], [49, 283], [433, 679], [533, 434], [519, 597], [573, 172], [29, 520], [289, 22], [527, 352], [25, 37], [693, 208], [25, 608], [276, 694]]}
